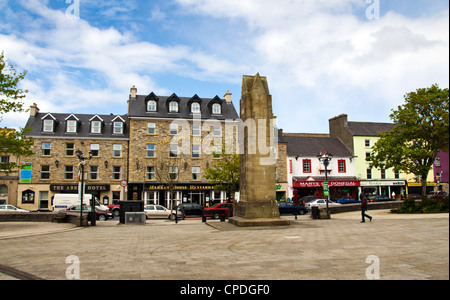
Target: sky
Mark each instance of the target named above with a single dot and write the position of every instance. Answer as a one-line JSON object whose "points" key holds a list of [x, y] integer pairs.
{"points": [[322, 58]]}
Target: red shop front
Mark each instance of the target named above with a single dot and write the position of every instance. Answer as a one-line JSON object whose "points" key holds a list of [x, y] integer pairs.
{"points": [[339, 188]]}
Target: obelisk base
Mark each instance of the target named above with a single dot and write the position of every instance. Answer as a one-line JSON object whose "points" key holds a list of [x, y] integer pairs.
{"points": [[260, 222]]}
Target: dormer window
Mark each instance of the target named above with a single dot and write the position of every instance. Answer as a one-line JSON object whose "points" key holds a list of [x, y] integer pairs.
{"points": [[195, 108], [72, 123], [152, 106], [216, 109], [96, 127], [96, 124], [173, 107], [152, 102], [118, 125], [49, 123]]}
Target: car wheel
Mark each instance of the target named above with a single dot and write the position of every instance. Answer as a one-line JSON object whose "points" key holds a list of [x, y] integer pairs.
{"points": [[101, 218], [116, 213]]}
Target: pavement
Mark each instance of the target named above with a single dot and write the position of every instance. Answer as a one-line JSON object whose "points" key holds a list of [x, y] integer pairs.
{"points": [[394, 247]]}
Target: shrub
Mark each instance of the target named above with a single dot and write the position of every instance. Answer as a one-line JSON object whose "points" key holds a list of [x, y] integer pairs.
{"points": [[427, 206]]}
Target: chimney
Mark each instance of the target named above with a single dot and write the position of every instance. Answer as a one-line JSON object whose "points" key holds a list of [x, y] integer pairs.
{"points": [[34, 110], [133, 92], [227, 97]]}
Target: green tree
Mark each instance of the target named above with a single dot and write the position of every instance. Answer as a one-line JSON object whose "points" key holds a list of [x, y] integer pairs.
{"points": [[421, 131], [224, 173], [12, 142]]}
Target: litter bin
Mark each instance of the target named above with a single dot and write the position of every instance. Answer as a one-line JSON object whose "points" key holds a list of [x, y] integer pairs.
{"points": [[315, 212]]}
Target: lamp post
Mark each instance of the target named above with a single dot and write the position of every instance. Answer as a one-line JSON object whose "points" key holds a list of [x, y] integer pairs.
{"points": [[325, 158], [81, 188]]}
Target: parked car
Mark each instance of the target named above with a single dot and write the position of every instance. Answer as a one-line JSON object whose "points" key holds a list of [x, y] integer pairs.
{"points": [[288, 208], [306, 199], [379, 198], [115, 208], [191, 209], [217, 209], [321, 203], [7, 208], [348, 200], [415, 196], [154, 211], [102, 215]]}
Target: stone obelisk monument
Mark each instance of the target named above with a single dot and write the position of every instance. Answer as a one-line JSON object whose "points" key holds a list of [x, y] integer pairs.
{"points": [[258, 203]]}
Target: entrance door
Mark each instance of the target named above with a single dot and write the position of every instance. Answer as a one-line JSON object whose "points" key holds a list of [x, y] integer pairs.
{"points": [[198, 197]]}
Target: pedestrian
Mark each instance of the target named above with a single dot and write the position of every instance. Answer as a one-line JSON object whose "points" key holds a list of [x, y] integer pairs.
{"points": [[364, 205]]}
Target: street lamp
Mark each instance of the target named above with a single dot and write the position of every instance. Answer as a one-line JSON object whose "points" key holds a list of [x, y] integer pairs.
{"points": [[325, 158], [82, 159]]}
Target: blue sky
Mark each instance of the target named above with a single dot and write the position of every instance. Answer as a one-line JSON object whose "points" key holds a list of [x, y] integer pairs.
{"points": [[322, 58]]}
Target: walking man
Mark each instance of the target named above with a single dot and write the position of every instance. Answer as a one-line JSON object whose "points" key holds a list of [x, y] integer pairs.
{"points": [[364, 205]]}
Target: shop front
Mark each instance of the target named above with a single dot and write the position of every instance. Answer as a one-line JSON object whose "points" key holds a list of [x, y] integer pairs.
{"points": [[338, 187], [390, 188], [154, 193]]}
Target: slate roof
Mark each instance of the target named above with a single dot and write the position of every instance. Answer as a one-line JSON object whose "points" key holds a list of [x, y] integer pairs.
{"points": [[311, 145], [369, 129], [84, 126], [138, 107]]}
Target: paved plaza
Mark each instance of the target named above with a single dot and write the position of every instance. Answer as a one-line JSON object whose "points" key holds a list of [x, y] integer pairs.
{"points": [[405, 246]]}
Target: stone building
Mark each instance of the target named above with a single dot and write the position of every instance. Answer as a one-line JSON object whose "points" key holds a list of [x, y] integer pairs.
{"points": [[8, 181], [173, 140], [53, 169]]}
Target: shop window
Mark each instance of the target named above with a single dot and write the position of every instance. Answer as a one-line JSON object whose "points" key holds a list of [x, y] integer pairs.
{"points": [[28, 197]]}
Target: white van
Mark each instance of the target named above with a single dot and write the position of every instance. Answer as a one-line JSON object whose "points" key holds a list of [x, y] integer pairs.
{"points": [[64, 201]]}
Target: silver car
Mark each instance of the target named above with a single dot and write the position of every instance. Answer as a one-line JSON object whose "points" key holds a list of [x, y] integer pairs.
{"points": [[159, 212]]}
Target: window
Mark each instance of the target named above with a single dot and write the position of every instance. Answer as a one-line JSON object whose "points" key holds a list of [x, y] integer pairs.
{"points": [[117, 150], [70, 149], [217, 130], [383, 173], [4, 161], [71, 126], [397, 175], [173, 128], [306, 166], [117, 173], [195, 173], [216, 109], [95, 149], [48, 125], [96, 127], [342, 166], [151, 128], [150, 173], [196, 151], [217, 151], [118, 127], [173, 173], [173, 107], [151, 150], [367, 155], [28, 197], [68, 172], [46, 149], [367, 143], [93, 172], [152, 106], [173, 151], [195, 108], [45, 172], [196, 129], [369, 173]]}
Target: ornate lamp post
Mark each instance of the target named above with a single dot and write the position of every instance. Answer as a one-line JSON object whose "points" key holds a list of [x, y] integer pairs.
{"points": [[325, 158]]}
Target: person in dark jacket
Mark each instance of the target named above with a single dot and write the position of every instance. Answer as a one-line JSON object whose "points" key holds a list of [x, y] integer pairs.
{"points": [[364, 205]]}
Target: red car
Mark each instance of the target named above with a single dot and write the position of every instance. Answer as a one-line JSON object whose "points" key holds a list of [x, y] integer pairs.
{"points": [[218, 209]]}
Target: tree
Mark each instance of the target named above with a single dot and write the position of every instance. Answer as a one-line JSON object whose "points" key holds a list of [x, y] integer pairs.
{"points": [[421, 131], [12, 142], [224, 173]]}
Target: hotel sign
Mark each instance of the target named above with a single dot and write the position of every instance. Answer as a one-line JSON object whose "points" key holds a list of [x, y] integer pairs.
{"points": [[74, 188]]}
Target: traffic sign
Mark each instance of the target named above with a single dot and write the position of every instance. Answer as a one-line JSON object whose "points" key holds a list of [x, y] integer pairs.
{"points": [[123, 183]]}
